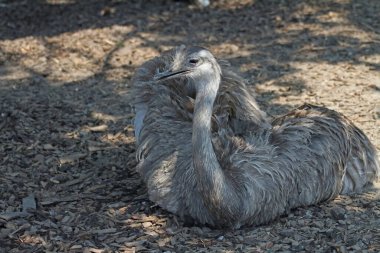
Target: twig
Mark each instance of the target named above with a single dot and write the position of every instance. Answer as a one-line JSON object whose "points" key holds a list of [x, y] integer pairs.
{"points": [[14, 215], [25, 226], [70, 199]]}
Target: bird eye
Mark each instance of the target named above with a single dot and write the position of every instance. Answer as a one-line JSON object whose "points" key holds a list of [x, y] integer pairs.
{"points": [[193, 61]]}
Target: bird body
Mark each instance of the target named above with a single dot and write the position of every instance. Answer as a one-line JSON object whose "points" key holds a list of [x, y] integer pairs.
{"points": [[208, 153]]}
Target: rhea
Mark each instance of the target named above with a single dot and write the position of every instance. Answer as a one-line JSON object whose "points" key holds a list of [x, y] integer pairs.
{"points": [[209, 154]]}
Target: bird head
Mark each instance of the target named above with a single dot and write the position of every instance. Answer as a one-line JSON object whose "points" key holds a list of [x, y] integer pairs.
{"points": [[195, 63]]}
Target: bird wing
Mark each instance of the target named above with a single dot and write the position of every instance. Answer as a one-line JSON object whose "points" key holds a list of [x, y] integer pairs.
{"points": [[363, 166], [333, 146], [235, 102]]}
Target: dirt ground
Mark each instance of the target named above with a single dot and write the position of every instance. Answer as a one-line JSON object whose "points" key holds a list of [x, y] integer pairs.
{"points": [[68, 182]]}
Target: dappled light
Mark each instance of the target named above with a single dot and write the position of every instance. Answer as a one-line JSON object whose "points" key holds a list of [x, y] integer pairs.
{"points": [[67, 146]]}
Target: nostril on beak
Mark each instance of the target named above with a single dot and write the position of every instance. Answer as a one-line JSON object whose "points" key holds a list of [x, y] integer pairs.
{"points": [[160, 75]]}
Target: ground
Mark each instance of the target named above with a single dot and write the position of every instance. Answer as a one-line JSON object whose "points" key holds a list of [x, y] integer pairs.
{"points": [[67, 151]]}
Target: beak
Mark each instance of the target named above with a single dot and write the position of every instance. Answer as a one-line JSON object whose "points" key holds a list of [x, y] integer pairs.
{"points": [[169, 74]]}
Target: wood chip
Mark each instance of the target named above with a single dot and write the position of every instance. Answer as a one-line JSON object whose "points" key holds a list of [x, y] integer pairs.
{"points": [[23, 227], [48, 147], [135, 243], [75, 181], [99, 148], [76, 247], [100, 128], [93, 250], [338, 213], [104, 231], [70, 199], [14, 215], [147, 224], [71, 158], [126, 239], [29, 203]]}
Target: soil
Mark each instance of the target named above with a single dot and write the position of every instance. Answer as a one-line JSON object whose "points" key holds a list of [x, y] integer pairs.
{"points": [[67, 151]]}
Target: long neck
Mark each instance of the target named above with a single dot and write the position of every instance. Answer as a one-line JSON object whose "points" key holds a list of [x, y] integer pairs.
{"points": [[217, 191]]}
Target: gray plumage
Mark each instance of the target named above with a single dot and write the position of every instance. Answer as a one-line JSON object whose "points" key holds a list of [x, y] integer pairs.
{"points": [[207, 152]]}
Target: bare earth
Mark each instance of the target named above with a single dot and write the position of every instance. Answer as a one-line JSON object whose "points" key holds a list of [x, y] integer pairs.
{"points": [[67, 157]]}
